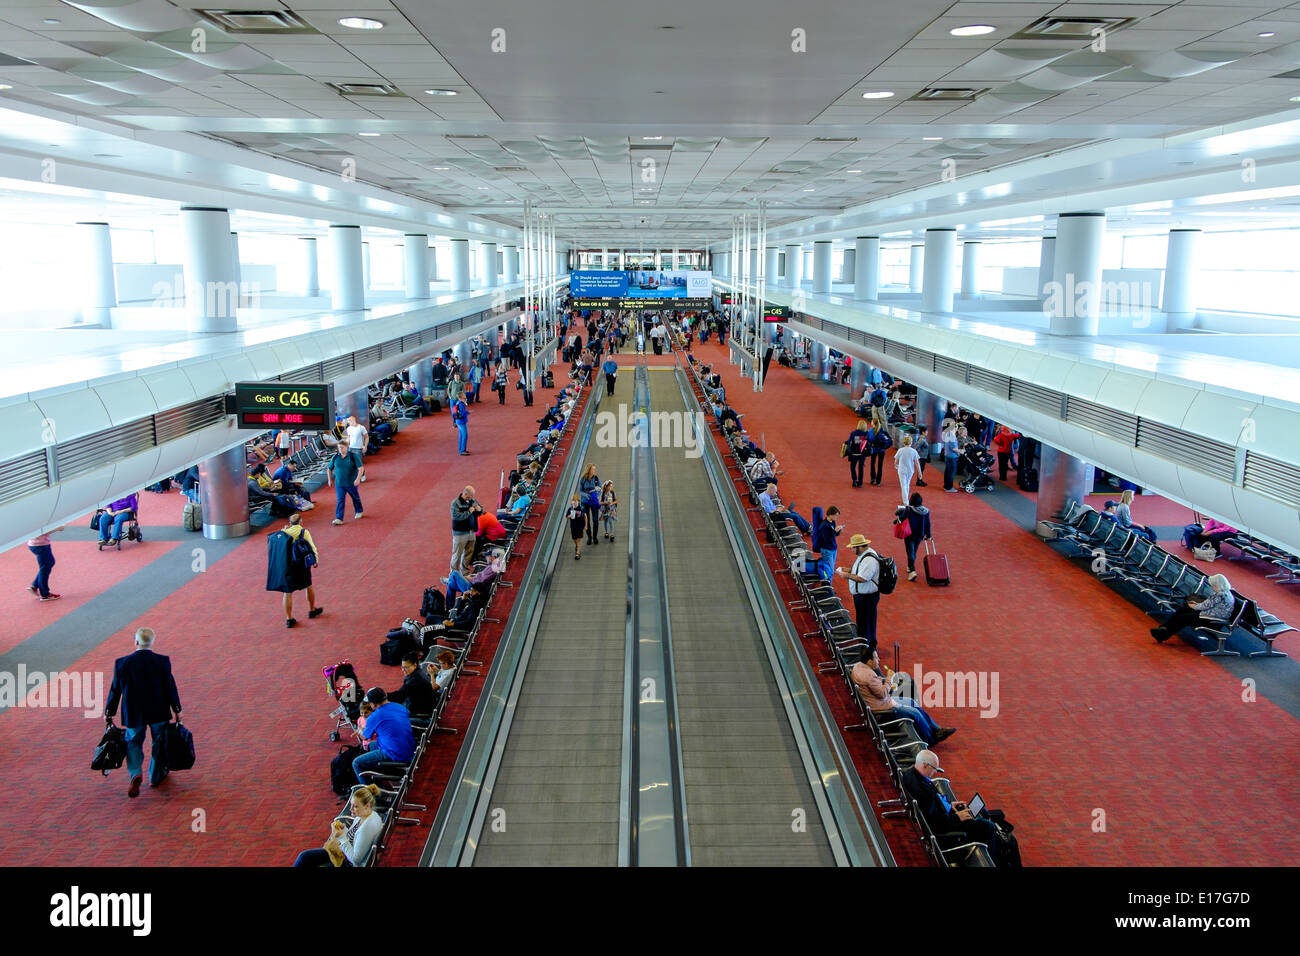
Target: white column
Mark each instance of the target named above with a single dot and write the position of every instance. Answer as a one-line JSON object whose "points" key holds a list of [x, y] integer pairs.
{"points": [[347, 284], [970, 269], [821, 267], [365, 265], [770, 264], [1074, 301], [100, 293], [310, 267], [211, 292], [937, 286], [510, 263], [1178, 300], [1046, 261], [915, 267], [234, 258], [866, 268], [415, 254], [460, 265], [488, 252], [793, 266], [433, 263], [849, 265]]}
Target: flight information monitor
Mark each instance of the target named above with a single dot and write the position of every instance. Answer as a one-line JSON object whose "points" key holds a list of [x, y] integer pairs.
{"points": [[263, 405]]}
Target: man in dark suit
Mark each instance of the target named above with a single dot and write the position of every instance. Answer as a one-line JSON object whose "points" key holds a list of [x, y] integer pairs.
{"points": [[942, 816], [144, 684]]}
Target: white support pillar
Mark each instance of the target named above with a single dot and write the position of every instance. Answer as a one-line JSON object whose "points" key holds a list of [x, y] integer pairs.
{"points": [[310, 266], [866, 268], [211, 292], [771, 261], [937, 287], [970, 269], [365, 265], [460, 265], [433, 263], [415, 255], [510, 264], [488, 264], [821, 267], [848, 266], [234, 258], [347, 292], [915, 267], [794, 266], [100, 293], [1046, 261], [1074, 301], [1178, 301]]}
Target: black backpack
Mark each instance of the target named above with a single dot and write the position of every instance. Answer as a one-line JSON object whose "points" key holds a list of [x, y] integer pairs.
{"points": [[434, 606], [887, 580], [878, 398], [110, 752], [342, 776]]}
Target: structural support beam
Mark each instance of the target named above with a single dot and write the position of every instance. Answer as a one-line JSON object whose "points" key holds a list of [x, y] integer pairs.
{"points": [[223, 491], [488, 264], [1178, 301], [940, 251], [1074, 297], [1046, 263], [310, 266], [866, 268], [460, 265], [970, 269], [794, 266], [416, 257], [510, 263], [915, 264], [211, 290], [821, 267], [100, 291], [347, 292], [1061, 478]]}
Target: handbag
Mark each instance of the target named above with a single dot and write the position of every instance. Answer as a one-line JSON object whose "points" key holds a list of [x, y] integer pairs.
{"points": [[178, 747], [1205, 552], [903, 529], [110, 752], [844, 450]]}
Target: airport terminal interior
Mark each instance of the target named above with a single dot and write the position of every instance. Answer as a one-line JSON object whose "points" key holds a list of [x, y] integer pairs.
{"points": [[718, 433]]}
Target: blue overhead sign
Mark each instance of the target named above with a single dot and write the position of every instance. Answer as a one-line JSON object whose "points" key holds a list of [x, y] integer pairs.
{"points": [[598, 285]]}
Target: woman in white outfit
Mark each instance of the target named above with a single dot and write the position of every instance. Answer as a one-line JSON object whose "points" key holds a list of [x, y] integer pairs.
{"points": [[905, 460]]}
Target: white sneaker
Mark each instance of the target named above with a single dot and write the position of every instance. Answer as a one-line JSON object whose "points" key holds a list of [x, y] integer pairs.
{"points": [[337, 521], [358, 516]]}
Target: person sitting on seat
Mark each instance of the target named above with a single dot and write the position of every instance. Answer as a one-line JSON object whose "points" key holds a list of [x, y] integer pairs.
{"points": [[457, 583], [1214, 610], [1213, 533], [416, 691], [119, 513], [520, 499], [765, 499], [388, 730], [942, 816], [490, 530], [441, 670], [284, 476], [873, 680], [351, 837]]}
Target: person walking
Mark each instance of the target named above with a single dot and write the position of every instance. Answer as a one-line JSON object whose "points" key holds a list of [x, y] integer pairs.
{"points": [[289, 564], [856, 448], [950, 456], [577, 516], [880, 443], [341, 472], [922, 446], [359, 442], [864, 586], [475, 381], [500, 382], [465, 510], [610, 368], [40, 546], [460, 421], [143, 684], [906, 460], [1002, 443], [589, 488], [915, 517], [608, 508]]}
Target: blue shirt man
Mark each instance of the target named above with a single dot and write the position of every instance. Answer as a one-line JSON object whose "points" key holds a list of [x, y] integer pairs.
{"points": [[389, 729], [342, 473]]}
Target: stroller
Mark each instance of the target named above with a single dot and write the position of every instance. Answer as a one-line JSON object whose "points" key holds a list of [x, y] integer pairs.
{"points": [[973, 465], [344, 686]]}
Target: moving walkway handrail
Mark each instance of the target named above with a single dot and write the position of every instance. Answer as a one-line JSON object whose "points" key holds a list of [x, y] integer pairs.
{"points": [[846, 812], [453, 838]]}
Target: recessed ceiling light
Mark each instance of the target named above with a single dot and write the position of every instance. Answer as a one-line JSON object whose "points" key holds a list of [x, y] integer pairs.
{"points": [[480, 187], [877, 94], [5, 86], [440, 92], [853, 170], [974, 30], [1294, 99], [1266, 34], [361, 23], [367, 134], [108, 156], [931, 139], [652, 137], [54, 23], [441, 168], [809, 189]]}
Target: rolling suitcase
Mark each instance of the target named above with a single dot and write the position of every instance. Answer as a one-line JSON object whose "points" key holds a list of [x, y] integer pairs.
{"points": [[936, 566]]}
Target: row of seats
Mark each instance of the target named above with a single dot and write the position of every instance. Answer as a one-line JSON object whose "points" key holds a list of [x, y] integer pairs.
{"points": [[1253, 549], [394, 779], [1156, 580], [894, 736]]}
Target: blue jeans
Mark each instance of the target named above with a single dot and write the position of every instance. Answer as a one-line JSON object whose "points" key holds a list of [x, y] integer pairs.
{"points": [[44, 562], [826, 565], [463, 438], [370, 760], [114, 522], [135, 752], [456, 584], [925, 725], [949, 472], [343, 492], [318, 858]]}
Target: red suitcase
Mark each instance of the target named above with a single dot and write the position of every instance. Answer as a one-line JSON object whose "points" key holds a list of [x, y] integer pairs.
{"points": [[936, 567]]}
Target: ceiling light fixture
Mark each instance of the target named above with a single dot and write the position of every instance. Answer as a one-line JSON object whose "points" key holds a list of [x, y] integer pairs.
{"points": [[1265, 35], [440, 92], [652, 137], [974, 30], [481, 187], [54, 23], [361, 23], [1294, 99], [5, 86], [441, 168], [809, 189], [932, 139], [877, 94], [367, 134], [853, 170]]}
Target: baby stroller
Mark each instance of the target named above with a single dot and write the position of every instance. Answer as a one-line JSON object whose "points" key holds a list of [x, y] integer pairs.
{"points": [[974, 464], [344, 686]]}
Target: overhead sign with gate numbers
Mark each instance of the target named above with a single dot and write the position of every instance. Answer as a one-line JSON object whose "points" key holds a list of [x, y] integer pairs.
{"points": [[263, 405]]}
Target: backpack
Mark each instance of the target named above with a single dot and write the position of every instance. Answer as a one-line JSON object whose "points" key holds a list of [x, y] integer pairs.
{"points": [[881, 441], [434, 605], [878, 398], [459, 412], [887, 579], [342, 776]]}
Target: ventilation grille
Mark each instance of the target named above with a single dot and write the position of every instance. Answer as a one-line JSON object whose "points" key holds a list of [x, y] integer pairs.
{"points": [[1045, 400], [1268, 476], [366, 89], [950, 367], [1072, 28], [920, 358], [1204, 454], [947, 94], [1114, 424], [83, 455], [178, 422], [999, 385], [256, 21], [23, 476]]}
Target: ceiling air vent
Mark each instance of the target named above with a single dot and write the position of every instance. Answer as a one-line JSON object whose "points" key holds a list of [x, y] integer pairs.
{"points": [[948, 94], [366, 89], [509, 169], [1072, 28], [256, 21]]}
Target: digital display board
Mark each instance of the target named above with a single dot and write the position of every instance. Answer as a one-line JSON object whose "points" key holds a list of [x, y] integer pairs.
{"points": [[262, 405], [776, 313], [680, 303]]}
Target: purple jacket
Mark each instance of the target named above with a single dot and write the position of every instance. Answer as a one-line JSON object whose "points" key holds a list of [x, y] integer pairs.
{"points": [[131, 502]]}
